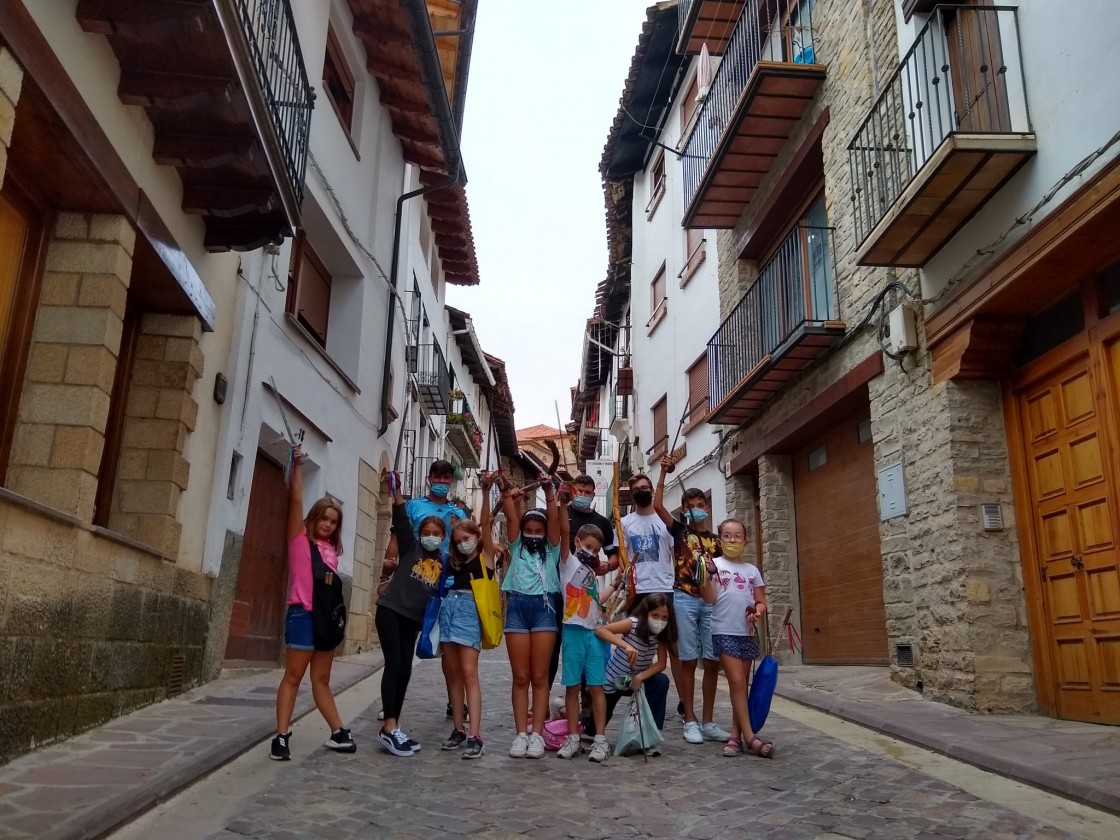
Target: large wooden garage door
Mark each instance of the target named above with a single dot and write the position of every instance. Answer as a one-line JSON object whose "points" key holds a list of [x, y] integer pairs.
{"points": [[840, 564]]}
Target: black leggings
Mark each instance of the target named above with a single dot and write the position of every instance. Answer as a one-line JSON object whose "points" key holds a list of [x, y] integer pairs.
{"points": [[397, 635]]}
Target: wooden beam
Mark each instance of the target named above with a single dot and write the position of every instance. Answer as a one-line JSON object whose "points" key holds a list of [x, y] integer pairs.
{"points": [[980, 348], [404, 106], [172, 91], [226, 235], [148, 20], [227, 201], [202, 150]]}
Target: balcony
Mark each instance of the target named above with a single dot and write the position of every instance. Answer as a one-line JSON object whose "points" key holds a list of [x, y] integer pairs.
{"points": [[589, 432], [764, 85], [431, 376], [462, 431], [708, 22], [224, 85], [948, 131], [785, 321]]}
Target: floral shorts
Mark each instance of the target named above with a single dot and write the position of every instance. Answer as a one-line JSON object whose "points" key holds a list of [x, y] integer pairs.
{"points": [[739, 647]]}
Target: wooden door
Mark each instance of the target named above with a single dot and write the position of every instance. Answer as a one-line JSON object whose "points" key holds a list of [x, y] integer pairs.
{"points": [[256, 627], [1071, 486], [840, 564]]}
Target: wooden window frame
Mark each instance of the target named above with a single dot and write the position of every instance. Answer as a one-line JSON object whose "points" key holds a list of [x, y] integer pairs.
{"points": [[659, 305], [690, 108], [694, 255], [334, 59], [699, 410], [16, 344], [659, 178], [660, 441], [301, 250], [114, 425]]}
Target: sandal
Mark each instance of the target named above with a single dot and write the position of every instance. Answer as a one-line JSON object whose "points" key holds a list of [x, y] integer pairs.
{"points": [[758, 746], [733, 747]]}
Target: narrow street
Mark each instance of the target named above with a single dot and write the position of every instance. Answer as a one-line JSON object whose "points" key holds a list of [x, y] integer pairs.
{"points": [[830, 779]]}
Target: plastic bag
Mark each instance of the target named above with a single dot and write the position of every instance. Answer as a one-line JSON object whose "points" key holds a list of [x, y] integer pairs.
{"points": [[427, 646], [638, 730]]}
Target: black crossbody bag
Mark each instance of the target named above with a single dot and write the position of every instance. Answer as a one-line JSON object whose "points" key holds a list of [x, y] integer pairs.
{"points": [[328, 607]]}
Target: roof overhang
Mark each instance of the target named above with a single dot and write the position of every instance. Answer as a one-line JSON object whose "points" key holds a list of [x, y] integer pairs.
{"points": [[469, 348]]}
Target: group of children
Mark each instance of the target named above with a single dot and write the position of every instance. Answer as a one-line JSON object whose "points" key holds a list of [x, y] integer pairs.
{"points": [[553, 597]]}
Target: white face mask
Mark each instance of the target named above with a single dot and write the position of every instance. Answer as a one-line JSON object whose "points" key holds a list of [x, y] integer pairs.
{"points": [[657, 626], [468, 546]]}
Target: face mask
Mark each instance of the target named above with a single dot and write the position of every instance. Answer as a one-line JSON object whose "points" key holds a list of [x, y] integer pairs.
{"points": [[657, 626], [441, 489], [696, 515], [468, 546], [587, 558], [534, 545], [431, 543], [643, 498], [733, 551], [581, 503]]}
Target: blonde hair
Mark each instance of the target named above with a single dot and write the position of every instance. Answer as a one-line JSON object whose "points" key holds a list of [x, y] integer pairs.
{"points": [[316, 513]]}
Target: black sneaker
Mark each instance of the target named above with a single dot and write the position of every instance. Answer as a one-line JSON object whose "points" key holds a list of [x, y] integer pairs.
{"points": [[474, 748], [454, 740], [280, 751], [395, 742], [466, 712], [341, 741]]}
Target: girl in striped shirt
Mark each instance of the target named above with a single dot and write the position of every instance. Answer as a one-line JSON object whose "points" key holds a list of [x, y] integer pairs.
{"points": [[640, 651]]}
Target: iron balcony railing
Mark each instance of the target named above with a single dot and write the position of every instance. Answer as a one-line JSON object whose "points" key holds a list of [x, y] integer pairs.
{"points": [[274, 49], [433, 377], [769, 30], [963, 74], [795, 288]]}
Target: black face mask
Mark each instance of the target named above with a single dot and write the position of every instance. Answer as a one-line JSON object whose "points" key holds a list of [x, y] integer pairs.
{"points": [[534, 545], [643, 498], [587, 558]]}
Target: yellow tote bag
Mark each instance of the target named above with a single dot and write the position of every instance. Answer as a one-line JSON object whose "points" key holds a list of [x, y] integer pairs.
{"points": [[488, 601]]}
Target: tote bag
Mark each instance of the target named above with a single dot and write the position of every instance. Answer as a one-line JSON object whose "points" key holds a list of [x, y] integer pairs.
{"points": [[427, 646], [488, 600], [638, 731]]}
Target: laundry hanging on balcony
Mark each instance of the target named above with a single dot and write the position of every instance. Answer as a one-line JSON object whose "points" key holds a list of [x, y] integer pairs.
{"points": [[703, 74]]}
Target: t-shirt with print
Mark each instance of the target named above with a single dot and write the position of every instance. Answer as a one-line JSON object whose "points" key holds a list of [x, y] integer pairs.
{"points": [[618, 665], [299, 567], [580, 588], [417, 574], [528, 573], [690, 549], [734, 593], [461, 579], [421, 508], [651, 552]]}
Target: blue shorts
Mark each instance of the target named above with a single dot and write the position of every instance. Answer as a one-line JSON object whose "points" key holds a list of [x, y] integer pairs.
{"points": [[299, 629], [530, 613], [458, 620], [738, 647], [582, 656], [694, 627]]}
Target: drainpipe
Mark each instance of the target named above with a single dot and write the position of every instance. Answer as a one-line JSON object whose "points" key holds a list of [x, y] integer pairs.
{"points": [[420, 24]]}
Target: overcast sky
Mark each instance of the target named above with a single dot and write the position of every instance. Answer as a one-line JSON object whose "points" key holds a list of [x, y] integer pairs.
{"points": [[544, 87]]}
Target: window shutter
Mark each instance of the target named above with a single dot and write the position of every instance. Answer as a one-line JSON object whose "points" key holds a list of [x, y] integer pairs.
{"points": [[661, 421], [314, 306], [698, 388]]}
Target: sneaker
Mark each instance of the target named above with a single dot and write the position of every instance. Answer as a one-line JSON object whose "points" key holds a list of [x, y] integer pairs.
{"points": [[692, 733], [395, 742], [381, 715], [466, 712], [412, 745], [448, 713], [600, 751], [653, 752], [455, 740], [474, 748], [280, 751], [680, 711], [712, 731], [341, 741], [520, 746], [570, 748], [536, 746]]}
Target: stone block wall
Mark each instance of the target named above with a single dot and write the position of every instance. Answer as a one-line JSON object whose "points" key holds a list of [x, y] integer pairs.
{"points": [[11, 82], [360, 633]]}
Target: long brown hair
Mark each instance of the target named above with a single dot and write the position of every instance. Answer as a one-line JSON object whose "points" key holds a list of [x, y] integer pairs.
{"points": [[457, 558], [316, 513], [641, 612]]}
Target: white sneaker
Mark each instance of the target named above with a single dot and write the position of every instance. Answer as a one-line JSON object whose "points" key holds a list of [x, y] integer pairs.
{"points": [[519, 746], [692, 733], [712, 731], [536, 746], [571, 748], [600, 751]]}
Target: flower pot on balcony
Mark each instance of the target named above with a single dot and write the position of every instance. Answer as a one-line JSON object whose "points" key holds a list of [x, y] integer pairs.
{"points": [[460, 439], [625, 382]]}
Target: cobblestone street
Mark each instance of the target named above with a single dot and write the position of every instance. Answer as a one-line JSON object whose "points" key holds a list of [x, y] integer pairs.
{"points": [[816, 787]]}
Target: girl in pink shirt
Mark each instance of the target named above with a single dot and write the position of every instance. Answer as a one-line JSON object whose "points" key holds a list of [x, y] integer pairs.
{"points": [[323, 523]]}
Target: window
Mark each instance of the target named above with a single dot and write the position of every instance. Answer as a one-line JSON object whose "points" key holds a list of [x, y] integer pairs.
{"points": [[114, 424], [689, 108], [309, 290], [657, 301], [693, 254], [660, 413], [338, 81], [657, 180], [698, 391]]}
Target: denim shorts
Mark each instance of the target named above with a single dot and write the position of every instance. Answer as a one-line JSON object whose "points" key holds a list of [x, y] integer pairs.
{"points": [[530, 613], [694, 627], [583, 658], [299, 629], [458, 620], [739, 647]]}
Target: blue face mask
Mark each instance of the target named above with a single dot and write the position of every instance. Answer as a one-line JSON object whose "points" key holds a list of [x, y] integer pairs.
{"points": [[581, 503], [441, 489], [431, 543], [696, 515]]}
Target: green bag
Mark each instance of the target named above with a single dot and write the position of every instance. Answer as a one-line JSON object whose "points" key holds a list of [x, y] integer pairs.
{"points": [[638, 730]]}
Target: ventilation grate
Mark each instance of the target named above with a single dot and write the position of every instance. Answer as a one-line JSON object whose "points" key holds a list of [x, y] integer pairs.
{"points": [[904, 655], [177, 675]]}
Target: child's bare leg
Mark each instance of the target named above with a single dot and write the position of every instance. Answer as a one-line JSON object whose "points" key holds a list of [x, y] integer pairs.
{"points": [[736, 672], [598, 708]]}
